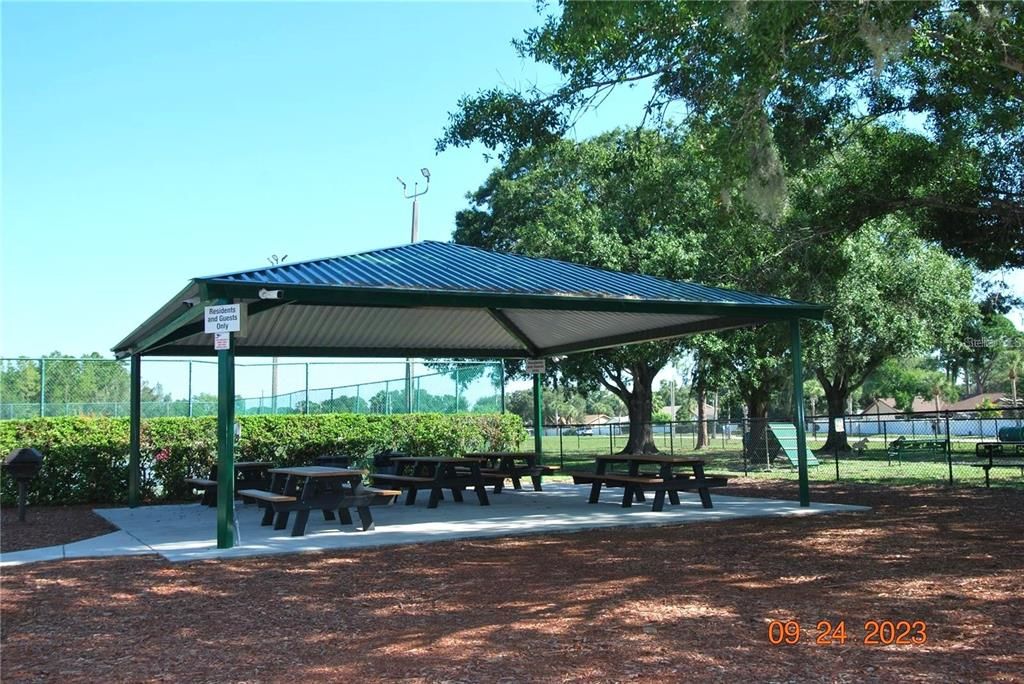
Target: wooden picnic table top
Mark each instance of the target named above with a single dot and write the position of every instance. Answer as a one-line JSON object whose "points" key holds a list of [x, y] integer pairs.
{"points": [[254, 464], [318, 471], [650, 458], [435, 459]]}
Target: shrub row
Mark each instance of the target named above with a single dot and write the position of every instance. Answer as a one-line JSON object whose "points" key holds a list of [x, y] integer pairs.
{"points": [[86, 459]]}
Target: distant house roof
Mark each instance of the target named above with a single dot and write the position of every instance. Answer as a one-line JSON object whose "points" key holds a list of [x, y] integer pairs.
{"points": [[438, 299], [595, 419], [888, 405], [973, 402]]}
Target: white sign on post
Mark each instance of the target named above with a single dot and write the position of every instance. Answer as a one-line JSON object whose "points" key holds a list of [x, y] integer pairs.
{"points": [[221, 341], [224, 318], [535, 365]]}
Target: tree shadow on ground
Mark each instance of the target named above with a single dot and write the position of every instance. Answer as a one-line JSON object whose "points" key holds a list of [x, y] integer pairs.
{"points": [[677, 601]]}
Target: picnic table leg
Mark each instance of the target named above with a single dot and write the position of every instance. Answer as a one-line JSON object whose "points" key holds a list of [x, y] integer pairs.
{"points": [[365, 517], [634, 470], [301, 517], [328, 514], [344, 516], [704, 492], [479, 487], [435, 496], [705, 497], [665, 473], [457, 494], [659, 501], [627, 496], [595, 487], [268, 514], [410, 496], [536, 483]]}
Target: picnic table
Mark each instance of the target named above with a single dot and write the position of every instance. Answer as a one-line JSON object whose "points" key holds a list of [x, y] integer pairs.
{"points": [[513, 465], [324, 488], [674, 474], [248, 474], [436, 473], [1012, 451]]}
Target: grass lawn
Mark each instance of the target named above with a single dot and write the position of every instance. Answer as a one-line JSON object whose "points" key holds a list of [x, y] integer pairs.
{"points": [[726, 456], [672, 603]]}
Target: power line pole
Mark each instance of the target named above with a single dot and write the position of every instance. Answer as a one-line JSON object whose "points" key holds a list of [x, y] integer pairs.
{"points": [[274, 261], [416, 194]]}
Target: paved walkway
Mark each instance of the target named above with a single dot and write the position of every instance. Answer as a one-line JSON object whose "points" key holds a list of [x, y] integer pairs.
{"points": [[188, 532]]}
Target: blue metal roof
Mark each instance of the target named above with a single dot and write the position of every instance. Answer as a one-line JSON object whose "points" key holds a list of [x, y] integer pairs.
{"points": [[450, 267]]}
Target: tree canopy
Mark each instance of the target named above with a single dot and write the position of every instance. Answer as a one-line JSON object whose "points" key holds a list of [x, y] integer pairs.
{"points": [[777, 87]]}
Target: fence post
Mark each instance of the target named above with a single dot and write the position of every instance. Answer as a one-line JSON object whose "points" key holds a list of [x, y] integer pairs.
{"points": [[671, 438], [743, 445], [357, 399], [502, 386], [949, 451], [42, 387], [611, 438], [305, 407], [561, 451], [189, 389], [456, 390]]}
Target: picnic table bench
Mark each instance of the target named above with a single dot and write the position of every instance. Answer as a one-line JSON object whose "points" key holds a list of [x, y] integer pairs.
{"points": [[437, 473], [248, 475], [502, 465], [666, 482], [324, 488], [999, 450], [905, 445]]}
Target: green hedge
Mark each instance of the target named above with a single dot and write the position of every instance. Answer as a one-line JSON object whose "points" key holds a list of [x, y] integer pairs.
{"points": [[86, 459]]}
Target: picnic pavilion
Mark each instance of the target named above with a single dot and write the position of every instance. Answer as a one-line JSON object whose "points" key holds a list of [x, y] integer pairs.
{"points": [[436, 300]]}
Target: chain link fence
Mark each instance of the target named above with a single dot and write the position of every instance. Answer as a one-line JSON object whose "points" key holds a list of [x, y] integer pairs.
{"points": [[50, 387], [921, 448]]}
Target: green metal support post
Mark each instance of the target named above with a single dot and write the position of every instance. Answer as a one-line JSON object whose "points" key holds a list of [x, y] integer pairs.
{"points": [[134, 430], [226, 445], [538, 416], [798, 411]]}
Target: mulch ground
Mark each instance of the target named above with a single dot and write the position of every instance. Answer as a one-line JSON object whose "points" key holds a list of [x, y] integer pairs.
{"points": [[49, 526], [660, 604]]}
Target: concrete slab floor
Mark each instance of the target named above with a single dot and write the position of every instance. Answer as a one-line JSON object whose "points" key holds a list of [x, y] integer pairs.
{"points": [[188, 532]]}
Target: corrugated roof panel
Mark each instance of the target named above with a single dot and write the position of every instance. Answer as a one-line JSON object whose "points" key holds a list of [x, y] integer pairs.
{"points": [[447, 266], [556, 328], [365, 327]]}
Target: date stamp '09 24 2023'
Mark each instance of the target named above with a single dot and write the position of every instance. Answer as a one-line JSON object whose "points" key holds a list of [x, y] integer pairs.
{"points": [[831, 632]]}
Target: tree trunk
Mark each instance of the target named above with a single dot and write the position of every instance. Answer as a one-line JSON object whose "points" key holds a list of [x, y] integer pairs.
{"points": [[835, 395], [641, 437], [702, 423], [757, 422]]}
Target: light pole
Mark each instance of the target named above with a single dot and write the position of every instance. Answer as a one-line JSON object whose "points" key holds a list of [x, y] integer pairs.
{"points": [[274, 261], [414, 196]]}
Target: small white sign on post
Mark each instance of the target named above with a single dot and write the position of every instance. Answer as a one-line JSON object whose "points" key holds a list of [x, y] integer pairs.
{"points": [[839, 425], [224, 318], [535, 366], [221, 341]]}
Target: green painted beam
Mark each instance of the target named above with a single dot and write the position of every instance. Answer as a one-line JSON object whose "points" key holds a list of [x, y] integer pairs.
{"points": [[354, 352], [135, 431], [226, 445], [512, 329], [342, 296], [651, 335], [798, 404], [538, 416], [189, 329]]}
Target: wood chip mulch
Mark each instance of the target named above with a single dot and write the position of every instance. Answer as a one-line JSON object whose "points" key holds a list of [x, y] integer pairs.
{"points": [[49, 526], [673, 603]]}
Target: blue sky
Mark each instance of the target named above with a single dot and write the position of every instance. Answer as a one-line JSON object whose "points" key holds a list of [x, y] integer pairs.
{"points": [[144, 144]]}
